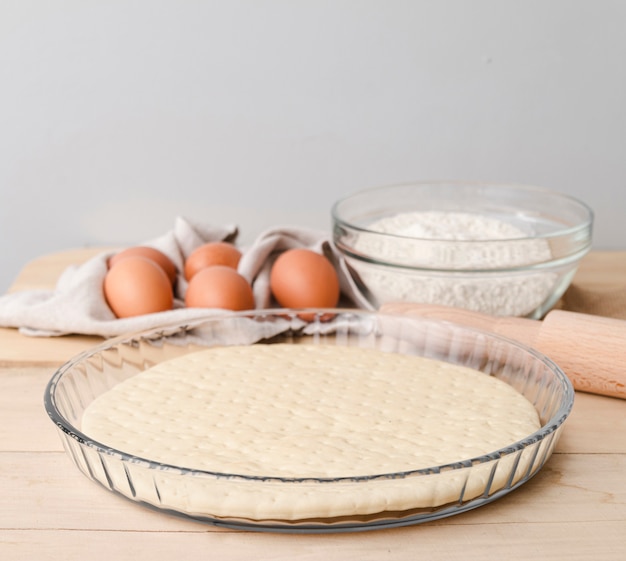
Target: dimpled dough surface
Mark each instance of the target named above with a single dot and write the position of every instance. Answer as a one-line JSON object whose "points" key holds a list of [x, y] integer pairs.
{"points": [[310, 411]]}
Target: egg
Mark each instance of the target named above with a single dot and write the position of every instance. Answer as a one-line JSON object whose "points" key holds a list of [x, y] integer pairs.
{"points": [[210, 254], [302, 278], [219, 286], [150, 253], [135, 286]]}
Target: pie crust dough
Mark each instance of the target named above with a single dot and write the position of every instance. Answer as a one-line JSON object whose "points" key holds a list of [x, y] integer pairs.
{"points": [[330, 417]]}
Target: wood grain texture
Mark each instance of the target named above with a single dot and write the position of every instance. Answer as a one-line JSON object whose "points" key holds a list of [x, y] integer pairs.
{"points": [[566, 541], [22, 350], [590, 349], [574, 509]]}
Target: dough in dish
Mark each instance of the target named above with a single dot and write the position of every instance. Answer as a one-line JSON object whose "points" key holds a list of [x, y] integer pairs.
{"points": [[272, 413]]}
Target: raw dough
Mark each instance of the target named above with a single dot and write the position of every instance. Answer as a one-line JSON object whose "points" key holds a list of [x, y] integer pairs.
{"points": [[285, 411]]}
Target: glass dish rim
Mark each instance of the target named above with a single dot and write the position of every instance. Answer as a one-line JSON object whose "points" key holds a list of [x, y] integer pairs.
{"points": [[585, 225], [548, 427]]}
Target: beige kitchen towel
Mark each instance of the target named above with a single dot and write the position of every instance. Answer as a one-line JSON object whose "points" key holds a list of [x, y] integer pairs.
{"points": [[256, 263], [77, 304]]}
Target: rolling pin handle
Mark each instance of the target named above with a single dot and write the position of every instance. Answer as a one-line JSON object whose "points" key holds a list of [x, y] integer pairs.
{"points": [[591, 350]]}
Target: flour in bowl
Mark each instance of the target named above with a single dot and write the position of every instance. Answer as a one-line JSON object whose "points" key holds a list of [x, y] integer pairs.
{"points": [[467, 260]]}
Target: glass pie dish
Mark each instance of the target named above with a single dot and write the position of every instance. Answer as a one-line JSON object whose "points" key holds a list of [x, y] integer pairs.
{"points": [[440, 490]]}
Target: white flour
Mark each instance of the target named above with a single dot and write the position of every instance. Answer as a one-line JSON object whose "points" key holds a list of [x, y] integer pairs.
{"points": [[489, 291]]}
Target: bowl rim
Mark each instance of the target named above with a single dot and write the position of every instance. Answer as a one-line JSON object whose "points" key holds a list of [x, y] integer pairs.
{"points": [[548, 427], [585, 225]]}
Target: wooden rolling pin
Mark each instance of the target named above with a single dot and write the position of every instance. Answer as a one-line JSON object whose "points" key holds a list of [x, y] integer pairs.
{"points": [[591, 350]]}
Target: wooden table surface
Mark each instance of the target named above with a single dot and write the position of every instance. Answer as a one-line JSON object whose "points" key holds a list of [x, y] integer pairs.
{"points": [[575, 508]]}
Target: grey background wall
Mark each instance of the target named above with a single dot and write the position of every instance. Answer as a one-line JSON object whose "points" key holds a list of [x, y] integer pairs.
{"points": [[118, 116]]}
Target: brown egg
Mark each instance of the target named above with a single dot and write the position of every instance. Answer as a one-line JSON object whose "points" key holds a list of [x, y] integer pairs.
{"points": [[135, 286], [150, 253], [301, 278], [209, 254], [221, 287]]}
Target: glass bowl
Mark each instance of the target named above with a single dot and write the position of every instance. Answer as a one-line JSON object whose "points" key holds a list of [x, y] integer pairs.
{"points": [[505, 250], [468, 483]]}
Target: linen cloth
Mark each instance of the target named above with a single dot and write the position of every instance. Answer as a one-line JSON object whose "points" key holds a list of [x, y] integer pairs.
{"points": [[77, 304]]}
